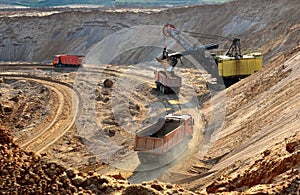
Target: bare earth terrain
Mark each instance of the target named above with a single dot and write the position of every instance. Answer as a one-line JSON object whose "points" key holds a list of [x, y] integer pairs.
{"points": [[64, 131]]}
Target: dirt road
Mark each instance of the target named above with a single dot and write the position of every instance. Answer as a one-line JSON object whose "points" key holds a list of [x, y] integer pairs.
{"points": [[65, 104]]}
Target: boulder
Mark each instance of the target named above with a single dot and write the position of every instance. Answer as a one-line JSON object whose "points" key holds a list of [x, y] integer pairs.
{"points": [[108, 83]]}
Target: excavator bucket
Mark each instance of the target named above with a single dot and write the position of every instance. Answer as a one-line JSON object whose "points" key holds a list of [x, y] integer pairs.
{"points": [[166, 65]]}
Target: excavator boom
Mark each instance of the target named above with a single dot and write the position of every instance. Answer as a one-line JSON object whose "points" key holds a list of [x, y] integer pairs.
{"points": [[198, 52]]}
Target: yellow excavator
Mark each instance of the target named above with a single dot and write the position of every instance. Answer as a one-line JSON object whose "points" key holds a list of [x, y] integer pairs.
{"points": [[228, 67]]}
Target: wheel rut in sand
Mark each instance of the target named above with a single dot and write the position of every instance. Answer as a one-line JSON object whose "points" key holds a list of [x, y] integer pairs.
{"points": [[61, 120]]}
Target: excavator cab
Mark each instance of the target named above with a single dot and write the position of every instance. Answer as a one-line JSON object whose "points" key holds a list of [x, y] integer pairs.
{"points": [[235, 49]]}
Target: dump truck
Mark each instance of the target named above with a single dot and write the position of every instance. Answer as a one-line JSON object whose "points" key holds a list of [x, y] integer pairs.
{"points": [[68, 61], [163, 141], [167, 82]]}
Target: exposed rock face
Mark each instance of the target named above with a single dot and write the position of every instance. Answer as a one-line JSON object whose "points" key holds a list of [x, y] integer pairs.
{"points": [[37, 36]]}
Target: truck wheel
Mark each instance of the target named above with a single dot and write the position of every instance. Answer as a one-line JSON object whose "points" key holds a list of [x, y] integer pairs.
{"points": [[167, 90], [162, 89], [157, 86], [59, 65]]}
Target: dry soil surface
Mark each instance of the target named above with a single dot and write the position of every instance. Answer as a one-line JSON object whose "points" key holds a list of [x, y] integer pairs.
{"points": [[246, 138]]}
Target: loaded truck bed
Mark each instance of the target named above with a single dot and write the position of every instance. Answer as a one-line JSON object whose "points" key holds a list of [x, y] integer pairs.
{"points": [[167, 128], [165, 140], [166, 82], [165, 134]]}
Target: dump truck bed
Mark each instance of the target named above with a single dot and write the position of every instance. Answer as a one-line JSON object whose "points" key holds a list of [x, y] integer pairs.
{"points": [[167, 128], [66, 60], [166, 135], [168, 79]]}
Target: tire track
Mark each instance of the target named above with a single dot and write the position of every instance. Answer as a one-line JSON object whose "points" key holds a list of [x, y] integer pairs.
{"points": [[64, 118], [60, 123]]}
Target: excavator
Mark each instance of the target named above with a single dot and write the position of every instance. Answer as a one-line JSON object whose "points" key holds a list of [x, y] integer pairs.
{"points": [[169, 61], [227, 68]]}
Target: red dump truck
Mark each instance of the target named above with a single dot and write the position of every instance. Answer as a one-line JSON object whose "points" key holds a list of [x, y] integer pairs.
{"points": [[167, 82], [66, 60], [165, 140]]}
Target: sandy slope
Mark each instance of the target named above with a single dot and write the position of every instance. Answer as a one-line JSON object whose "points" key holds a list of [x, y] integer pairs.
{"points": [[262, 118], [256, 148]]}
